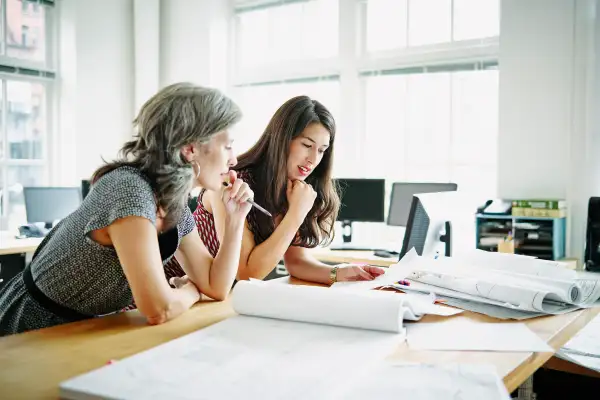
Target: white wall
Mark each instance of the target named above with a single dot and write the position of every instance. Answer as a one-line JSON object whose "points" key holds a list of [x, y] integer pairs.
{"points": [[536, 61], [97, 108], [115, 54], [547, 64], [194, 41]]}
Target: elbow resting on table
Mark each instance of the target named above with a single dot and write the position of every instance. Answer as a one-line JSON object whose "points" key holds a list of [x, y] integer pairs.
{"points": [[159, 314]]}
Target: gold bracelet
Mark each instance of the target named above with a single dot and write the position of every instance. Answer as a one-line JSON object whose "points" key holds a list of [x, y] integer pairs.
{"points": [[333, 275]]}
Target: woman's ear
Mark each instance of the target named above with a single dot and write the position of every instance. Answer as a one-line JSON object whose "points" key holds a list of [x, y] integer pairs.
{"points": [[188, 152]]}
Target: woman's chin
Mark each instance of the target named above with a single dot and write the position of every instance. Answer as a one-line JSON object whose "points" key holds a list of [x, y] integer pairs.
{"points": [[201, 183]]}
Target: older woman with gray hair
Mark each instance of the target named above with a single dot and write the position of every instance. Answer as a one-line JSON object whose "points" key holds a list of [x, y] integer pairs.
{"points": [[111, 251]]}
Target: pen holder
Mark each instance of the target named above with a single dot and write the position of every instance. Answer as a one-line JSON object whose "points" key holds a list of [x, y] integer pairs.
{"points": [[506, 246]]}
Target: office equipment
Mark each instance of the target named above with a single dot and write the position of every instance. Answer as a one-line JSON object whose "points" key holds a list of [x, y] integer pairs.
{"points": [[402, 195], [428, 224], [362, 200], [541, 237], [32, 231], [385, 253], [463, 335], [50, 204], [592, 236], [497, 207]]}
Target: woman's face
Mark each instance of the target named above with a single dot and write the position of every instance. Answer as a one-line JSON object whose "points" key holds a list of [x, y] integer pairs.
{"points": [[307, 150], [214, 160]]}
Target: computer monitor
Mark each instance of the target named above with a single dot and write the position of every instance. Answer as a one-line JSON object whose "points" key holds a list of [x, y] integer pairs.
{"points": [[402, 196], [85, 188], [428, 225], [362, 200], [49, 204]]}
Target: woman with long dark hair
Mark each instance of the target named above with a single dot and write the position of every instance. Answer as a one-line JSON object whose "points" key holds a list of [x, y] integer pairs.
{"points": [[289, 170]]}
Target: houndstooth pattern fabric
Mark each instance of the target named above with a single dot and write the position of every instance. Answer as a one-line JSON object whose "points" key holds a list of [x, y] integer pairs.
{"points": [[74, 270]]}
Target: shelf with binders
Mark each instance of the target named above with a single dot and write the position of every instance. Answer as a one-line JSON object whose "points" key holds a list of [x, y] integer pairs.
{"points": [[541, 237]]}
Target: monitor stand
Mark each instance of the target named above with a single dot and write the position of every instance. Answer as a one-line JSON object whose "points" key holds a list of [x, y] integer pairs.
{"points": [[446, 238], [347, 238]]}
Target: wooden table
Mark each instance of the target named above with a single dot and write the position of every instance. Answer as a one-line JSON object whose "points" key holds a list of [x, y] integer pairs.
{"points": [[349, 256], [9, 244], [35, 363]]}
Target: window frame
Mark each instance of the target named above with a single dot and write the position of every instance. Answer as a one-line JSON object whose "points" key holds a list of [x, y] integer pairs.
{"points": [[15, 69], [354, 61]]}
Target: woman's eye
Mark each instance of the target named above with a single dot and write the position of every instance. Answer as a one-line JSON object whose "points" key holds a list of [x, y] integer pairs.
{"points": [[322, 151], [308, 146]]}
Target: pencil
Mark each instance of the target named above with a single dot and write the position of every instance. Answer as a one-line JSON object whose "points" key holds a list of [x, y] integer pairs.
{"points": [[259, 208]]}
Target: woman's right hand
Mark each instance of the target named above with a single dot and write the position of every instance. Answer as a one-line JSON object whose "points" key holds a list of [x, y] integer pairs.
{"points": [[301, 197], [235, 198]]}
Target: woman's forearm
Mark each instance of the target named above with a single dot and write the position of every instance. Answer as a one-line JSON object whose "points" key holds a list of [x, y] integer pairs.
{"points": [[225, 265], [264, 257], [309, 269]]}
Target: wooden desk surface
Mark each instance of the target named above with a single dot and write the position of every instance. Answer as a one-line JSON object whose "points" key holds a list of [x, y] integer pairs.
{"points": [[35, 363], [349, 256], [9, 244]]}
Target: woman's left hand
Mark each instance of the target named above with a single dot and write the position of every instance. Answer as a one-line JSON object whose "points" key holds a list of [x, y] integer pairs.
{"points": [[358, 272]]}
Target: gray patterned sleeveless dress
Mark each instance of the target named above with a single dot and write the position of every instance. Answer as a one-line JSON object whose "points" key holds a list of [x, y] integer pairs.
{"points": [[72, 277]]}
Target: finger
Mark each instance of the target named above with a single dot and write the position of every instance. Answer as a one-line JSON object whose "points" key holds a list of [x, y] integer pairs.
{"points": [[232, 176], [242, 192], [246, 195], [375, 271], [235, 188], [363, 275]]}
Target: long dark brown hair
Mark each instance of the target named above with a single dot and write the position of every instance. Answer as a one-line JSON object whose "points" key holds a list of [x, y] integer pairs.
{"points": [[178, 115], [267, 163]]}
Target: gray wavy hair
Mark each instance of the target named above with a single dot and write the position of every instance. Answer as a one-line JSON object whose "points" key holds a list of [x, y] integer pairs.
{"points": [[178, 115]]}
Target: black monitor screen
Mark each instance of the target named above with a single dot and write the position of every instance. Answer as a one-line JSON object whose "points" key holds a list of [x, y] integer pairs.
{"points": [[363, 200], [402, 196], [416, 228], [48, 204]]}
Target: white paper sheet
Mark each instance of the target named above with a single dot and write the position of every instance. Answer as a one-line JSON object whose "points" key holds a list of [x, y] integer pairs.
{"points": [[427, 382], [517, 293], [393, 274], [584, 348], [540, 286], [240, 358], [373, 309], [463, 334], [368, 310]]}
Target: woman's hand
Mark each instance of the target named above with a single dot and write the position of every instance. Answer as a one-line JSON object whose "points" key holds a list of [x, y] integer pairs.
{"points": [[235, 198], [358, 272], [301, 197]]}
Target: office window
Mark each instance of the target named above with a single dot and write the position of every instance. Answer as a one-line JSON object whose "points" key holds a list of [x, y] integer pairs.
{"points": [[26, 102], [284, 31], [396, 24], [22, 20], [434, 126], [259, 102]]}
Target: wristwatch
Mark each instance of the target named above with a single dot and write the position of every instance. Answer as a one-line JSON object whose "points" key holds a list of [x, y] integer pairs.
{"points": [[333, 275]]}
